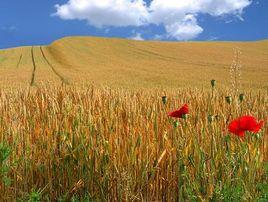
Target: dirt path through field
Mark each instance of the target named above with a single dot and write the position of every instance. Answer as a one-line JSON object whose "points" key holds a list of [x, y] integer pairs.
{"points": [[63, 80], [34, 67], [18, 64]]}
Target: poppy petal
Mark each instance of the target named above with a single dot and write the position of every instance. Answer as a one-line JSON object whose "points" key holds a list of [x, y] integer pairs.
{"points": [[258, 127], [243, 124], [241, 133], [175, 114], [247, 123], [180, 112], [234, 128]]}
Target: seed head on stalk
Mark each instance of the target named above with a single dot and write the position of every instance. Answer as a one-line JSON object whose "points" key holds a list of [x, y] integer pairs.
{"points": [[213, 83], [228, 99], [164, 100], [241, 97]]}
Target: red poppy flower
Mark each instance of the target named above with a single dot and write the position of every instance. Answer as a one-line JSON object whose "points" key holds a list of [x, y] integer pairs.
{"points": [[180, 112], [245, 123]]}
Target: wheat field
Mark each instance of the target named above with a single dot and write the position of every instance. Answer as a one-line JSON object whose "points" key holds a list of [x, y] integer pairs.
{"points": [[77, 125], [114, 145], [122, 63]]}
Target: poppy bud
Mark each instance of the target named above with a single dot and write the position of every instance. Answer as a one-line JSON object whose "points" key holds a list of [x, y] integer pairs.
{"points": [[210, 118], [176, 124], [228, 99], [164, 99], [258, 136], [241, 97], [213, 83], [184, 116]]}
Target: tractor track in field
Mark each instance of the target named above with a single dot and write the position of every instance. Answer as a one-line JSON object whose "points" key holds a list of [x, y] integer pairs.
{"points": [[18, 64], [34, 67], [63, 80]]}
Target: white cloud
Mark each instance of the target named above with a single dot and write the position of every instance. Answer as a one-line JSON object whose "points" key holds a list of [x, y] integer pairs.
{"points": [[179, 17], [213, 38], [105, 12], [137, 37], [224, 7], [185, 29]]}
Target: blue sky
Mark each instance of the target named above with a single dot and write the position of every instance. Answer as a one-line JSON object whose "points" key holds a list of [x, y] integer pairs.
{"points": [[32, 22]]}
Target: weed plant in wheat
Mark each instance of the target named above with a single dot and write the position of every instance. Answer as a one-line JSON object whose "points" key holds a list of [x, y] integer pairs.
{"points": [[235, 71], [92, 144]]}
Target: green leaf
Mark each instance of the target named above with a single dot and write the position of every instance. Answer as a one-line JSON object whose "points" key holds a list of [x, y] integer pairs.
{"points": [[6, 181], [266, 167], [4, 152]]}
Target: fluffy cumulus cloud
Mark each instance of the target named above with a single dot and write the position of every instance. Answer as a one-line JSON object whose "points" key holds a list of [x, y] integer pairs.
{"points": [[184, 29], [179, 17], [105, 12]]}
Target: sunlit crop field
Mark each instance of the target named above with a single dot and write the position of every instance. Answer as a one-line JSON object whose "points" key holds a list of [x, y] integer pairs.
{"points": [[121, 63], [99, 144], [88, 119]]}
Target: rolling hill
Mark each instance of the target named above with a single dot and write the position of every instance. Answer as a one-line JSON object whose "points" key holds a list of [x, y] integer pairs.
{"points": [[133, 64]]}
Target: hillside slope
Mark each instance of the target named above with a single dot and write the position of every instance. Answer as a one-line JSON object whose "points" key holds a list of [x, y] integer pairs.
{"points": [[133, 64]]}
